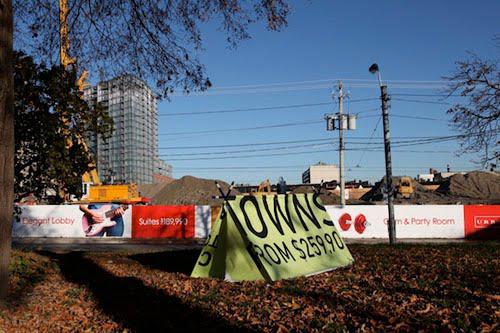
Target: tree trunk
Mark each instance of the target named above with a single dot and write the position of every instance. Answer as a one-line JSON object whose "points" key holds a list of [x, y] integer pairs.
{"points": [[6, 141]]}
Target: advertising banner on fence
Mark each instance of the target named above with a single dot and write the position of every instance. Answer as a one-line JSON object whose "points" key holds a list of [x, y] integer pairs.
{"points": [[163, 222], [482, 222], [95, 220], [412, 221], [272, 237], [203, 222]]}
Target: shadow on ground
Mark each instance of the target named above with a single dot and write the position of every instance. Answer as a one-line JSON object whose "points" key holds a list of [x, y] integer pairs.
{"points": [[134, 305], [27, 272], [169, 261]]}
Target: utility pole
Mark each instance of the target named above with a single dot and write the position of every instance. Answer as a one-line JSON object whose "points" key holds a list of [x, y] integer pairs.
{"points": [[341, 122], [388, 163], [391, 225], [341, 145]]}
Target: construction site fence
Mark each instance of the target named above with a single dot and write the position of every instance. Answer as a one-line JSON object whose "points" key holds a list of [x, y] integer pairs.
{"points": [[195, 222]]}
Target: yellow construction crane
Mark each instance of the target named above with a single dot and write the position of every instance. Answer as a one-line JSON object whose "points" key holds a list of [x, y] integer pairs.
{"points": [[65, 58], [93, 190]]}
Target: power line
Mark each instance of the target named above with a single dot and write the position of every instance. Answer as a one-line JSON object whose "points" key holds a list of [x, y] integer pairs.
{"points": [[299, 123], [427, 95], [264, 108], [371, 137], [299, 153], [299, 141], [367, 149], [419, 101], [329, 81], [246, 144], [396, 144], [258, 168], [316, 84], [239, 129], [248, 150], [405, 117]]}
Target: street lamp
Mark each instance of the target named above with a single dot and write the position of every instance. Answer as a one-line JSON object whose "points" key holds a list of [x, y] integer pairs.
{"points": [[391, 225], [374, 69]]}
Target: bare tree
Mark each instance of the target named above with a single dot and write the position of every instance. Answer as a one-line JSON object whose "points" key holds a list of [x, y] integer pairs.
{"points": [[477, 119], [157, 40]]}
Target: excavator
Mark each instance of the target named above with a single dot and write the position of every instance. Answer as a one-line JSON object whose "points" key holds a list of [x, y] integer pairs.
{"points": [[405, 188], [93, 190], [264, 188]]}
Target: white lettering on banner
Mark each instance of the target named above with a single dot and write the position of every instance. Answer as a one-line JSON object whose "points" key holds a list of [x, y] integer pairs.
{"points": [[412, 221], [485, 221], [164, 221]]}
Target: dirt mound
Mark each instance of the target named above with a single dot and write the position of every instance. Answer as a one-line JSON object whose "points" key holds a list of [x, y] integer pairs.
{"points": [[326, 197], [477, 185], [190, 190], [303, 189], [329, 198], [473, 188], [150, 190]]}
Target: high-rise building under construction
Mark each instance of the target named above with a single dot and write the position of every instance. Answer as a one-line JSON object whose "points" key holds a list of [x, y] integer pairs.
{"points": [[131, 154]]}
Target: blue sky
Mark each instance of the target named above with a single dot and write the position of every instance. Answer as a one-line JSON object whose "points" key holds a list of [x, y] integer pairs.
{"points": [[326, 41]]}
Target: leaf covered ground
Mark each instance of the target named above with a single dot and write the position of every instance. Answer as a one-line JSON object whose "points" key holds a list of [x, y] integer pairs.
{"points": [[407, 288]]}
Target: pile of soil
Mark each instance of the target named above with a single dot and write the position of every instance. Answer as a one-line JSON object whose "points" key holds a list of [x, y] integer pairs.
{"points": [[190, 190], [303, 189], [326, 197], [150, 190], [477, 185], [473, 188]]}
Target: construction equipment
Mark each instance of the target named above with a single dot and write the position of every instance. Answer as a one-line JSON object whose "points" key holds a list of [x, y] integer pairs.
{"points": [[405, 188], [93, 190], [264, 188]]}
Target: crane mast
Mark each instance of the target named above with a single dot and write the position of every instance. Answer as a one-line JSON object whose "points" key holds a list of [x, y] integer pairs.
{"points": [[93, 190], [91, 177]]}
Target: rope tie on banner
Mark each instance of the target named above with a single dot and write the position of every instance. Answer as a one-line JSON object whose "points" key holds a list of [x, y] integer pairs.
{"points": [[225, 196]]}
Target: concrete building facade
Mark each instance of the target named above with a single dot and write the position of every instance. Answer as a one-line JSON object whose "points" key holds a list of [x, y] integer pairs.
{"points": [[320, 172], [131, 154]]}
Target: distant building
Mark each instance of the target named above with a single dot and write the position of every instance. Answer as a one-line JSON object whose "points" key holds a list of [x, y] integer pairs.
{"points": [[163, 168], [321, 172], [426, 177], [131, 154], [444, 175], [163, 172]]}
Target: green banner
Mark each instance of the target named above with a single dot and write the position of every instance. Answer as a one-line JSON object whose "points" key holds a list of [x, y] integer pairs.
{"points": [[272, 237]]}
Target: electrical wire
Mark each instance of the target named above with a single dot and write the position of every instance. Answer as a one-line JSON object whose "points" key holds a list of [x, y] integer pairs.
{"points": [[300, 141], [404, 143], [263, 108], [226, 130], [419, 101], [315, 84], [247, 144], [296, 153], [370, 139]]}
